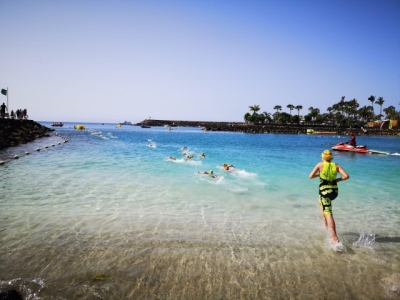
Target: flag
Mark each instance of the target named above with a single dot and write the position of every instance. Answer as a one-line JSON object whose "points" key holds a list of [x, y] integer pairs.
{"points": [[4, 92]]}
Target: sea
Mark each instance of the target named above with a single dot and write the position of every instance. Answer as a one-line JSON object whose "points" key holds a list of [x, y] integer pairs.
{"points": [[123, 213]]}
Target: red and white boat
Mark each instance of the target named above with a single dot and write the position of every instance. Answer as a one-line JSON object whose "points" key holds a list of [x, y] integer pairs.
{"points": [[349, 148]]}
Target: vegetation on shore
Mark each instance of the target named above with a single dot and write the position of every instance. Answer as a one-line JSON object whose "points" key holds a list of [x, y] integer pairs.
{"points": [[342, 113]]}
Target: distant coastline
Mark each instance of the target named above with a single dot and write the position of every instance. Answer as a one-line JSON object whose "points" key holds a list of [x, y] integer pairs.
{"points": [[269, 128]]}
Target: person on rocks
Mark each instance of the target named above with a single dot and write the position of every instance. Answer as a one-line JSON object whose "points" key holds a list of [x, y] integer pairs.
{"points": [[3, 110]]}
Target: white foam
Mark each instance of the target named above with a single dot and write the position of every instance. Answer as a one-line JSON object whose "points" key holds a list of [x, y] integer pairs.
{"points": [[337, 247], [178, 161], [243, 173], [193, 162], [215, 180]]}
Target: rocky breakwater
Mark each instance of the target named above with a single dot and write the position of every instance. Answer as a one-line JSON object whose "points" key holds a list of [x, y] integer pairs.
{"points": [[15, 132], [297, 129]]}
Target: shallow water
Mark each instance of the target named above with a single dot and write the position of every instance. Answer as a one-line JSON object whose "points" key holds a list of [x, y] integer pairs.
{"points": [[108, 215]]}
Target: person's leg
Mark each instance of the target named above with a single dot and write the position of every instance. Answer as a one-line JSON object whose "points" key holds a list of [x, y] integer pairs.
{"points": [[332, 227], [324, 223], [329, 222]]}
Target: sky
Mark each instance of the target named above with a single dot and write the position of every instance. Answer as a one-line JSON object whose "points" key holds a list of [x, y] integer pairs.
{"points": [[208, 60]]}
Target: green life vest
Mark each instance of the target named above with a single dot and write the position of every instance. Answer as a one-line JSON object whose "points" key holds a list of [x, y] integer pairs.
{"points": [[329, 171], [327, 185]]}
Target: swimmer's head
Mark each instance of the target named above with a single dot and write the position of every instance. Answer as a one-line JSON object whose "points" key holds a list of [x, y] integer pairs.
{"points": [[327, 155], [211, 172], [224, 165]]}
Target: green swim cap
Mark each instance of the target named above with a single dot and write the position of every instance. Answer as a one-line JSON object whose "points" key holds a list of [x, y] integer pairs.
{"points": [[211, 172]]}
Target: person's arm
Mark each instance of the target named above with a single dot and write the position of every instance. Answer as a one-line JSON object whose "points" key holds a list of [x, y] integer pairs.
{"points": [[315, 172], [342, 172]]}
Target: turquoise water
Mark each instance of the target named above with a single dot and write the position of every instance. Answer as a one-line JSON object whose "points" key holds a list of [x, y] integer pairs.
{"points": [[110, 202]]}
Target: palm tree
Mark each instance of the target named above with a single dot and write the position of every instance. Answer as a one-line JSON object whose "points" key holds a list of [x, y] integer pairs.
{"points": [[380, 103], [298, 107], [267, 116], [255, 108], [247, 117], [372, 99], [390, 112], [278, 107], [353, 106], [291, 107]]}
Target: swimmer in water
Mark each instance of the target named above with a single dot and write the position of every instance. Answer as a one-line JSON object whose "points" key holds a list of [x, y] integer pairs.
{"points": [[189, 157], [172, 158], [227, 167], [210, 173], [202, 154]]}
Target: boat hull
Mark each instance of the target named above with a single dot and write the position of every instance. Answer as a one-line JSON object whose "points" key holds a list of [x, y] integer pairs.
{"points": [[348, 148]]}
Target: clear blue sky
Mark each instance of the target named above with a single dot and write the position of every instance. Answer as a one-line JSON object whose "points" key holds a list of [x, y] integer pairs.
{"points": [[111, 61]]}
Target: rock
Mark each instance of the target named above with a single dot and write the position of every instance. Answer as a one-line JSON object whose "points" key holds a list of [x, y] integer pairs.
{"points": [[10, 295], [15, 132]]}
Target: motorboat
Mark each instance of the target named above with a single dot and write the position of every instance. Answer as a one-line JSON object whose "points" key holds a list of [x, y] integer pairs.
{"points": [[126, 123], [59, 124], [349, 148], [145, 126], [311, 131]]}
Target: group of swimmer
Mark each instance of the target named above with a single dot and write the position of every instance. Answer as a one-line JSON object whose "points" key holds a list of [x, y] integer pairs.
{"points": [[188, 156], [210, 173], [326, 171]]}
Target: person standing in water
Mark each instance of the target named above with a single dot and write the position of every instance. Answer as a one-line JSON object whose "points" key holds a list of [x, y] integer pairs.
{"points": [[328, 189]]}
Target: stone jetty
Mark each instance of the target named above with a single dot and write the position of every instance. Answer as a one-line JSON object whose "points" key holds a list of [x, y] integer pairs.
{"points": [[270, 128], [15, 132]]}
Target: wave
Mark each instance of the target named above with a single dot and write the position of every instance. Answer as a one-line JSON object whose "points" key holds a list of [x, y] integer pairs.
{"points": [[240, 173]]}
